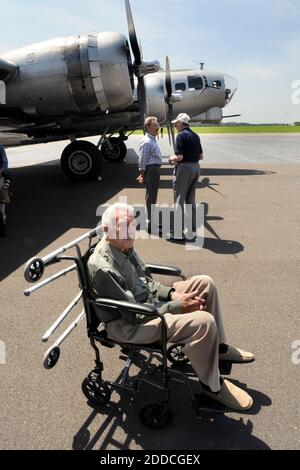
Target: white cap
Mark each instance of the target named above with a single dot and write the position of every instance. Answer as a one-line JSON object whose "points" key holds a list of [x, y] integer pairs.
{"points": [[185, 118]]}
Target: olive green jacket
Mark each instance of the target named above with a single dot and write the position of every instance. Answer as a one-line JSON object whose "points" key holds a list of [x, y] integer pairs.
{"points": [[120, 276]]}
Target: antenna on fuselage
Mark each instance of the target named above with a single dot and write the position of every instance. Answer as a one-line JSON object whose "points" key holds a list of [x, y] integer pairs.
{"points": [[201, 64]]}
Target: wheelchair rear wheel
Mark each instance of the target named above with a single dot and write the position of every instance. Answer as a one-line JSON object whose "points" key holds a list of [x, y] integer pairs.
{"points": [[176, 356], [156, 415], [96, 390]]}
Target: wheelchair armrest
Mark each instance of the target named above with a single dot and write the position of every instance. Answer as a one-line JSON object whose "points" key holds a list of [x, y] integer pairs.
{"points": [[111, 304], [164, 270]]}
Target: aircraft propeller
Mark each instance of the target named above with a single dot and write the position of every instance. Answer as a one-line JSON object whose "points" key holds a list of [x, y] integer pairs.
{"points": [[170, 115], [140, 67]]}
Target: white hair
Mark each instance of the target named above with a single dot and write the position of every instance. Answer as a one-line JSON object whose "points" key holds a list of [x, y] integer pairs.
{"points": [[149, 120], [112, 212]]}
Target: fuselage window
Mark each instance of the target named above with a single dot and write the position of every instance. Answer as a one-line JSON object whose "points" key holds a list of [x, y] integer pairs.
{"points": [[217, 84], [180, 87], [195, 83]]}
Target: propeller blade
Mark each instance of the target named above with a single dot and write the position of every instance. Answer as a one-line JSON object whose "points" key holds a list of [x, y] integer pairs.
{"points": [[169, 134], [169, 102], [173, 136], [132, 35], [168, 78], [142, 99]]}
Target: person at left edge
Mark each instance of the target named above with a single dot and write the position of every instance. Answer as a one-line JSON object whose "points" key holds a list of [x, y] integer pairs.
{"points": [[5, 180]]}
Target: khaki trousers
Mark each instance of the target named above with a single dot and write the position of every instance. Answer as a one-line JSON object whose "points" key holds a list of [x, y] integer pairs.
{"points": [[201, 332]]}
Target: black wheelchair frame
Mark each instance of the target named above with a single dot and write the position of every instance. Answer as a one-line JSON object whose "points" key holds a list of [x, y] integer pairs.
{"points": [[155, 415]]}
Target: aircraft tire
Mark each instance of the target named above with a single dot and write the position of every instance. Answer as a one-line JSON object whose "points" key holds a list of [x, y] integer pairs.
{"points": [[118, 152], [81, 161]]}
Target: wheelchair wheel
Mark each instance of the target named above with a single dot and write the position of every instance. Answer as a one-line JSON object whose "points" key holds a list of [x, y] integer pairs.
{"points": [[176, 356], [156, 415], [51, 357], [96, 391]]}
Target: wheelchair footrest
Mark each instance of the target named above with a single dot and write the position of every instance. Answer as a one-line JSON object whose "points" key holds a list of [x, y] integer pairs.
{"points": [[225, 367], [208, 405]]}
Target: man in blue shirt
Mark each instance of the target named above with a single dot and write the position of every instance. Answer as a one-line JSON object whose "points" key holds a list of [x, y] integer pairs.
{"points": [[149, 165], [188, 153]]}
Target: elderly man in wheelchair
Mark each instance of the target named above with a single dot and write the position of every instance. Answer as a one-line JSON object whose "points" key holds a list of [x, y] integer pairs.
{"points": [[190, 308], [123, 305]]}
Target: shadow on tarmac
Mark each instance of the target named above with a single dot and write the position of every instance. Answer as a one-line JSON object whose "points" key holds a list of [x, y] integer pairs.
{"points": [[224, 172], [45, 206], [210, 432]]}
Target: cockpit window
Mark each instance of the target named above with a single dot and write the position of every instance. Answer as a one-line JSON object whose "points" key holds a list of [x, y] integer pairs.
{"points": [[217, 84], [195, 83], [180, 86]]}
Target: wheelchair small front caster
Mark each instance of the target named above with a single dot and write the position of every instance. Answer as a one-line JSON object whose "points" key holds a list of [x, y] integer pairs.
{"points": [[96, 390], [176, 356], [34, 270], [156, 415], [51, 357]]}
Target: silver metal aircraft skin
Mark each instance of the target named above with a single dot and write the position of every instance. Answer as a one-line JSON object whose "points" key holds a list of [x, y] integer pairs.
{"points": [[80, 86]]}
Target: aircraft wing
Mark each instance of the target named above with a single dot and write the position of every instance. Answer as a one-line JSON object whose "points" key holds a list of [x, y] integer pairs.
{"points": [[15, 129], [14, 140], [15, 135]]}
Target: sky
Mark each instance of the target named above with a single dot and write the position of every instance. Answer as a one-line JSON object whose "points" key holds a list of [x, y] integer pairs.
{"points": [[256, 41]]}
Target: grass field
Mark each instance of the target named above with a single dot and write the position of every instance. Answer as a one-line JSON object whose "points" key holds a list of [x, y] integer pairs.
{"points": [[247, 129], [244, 130]]}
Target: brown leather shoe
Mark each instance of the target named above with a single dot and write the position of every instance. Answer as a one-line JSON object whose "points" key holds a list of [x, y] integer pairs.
{"points": [[231, 396], [237, 356]]}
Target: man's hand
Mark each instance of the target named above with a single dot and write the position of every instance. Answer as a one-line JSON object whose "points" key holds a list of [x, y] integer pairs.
{"points": [[173, 160], [141, 179], [190, 302]]}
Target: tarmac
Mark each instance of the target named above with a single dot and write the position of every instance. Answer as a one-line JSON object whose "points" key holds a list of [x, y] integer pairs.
{"points": [[252, 250]]}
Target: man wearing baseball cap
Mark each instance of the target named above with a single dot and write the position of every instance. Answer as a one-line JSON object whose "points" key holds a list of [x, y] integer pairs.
{"points": [[188, 153]]}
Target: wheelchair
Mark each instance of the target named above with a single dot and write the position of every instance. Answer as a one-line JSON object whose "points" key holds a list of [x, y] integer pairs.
{"points": [[97, 390]]}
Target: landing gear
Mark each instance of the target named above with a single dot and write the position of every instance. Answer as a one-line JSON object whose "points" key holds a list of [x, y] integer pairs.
{"points": [[81, 161], [115, 151]]}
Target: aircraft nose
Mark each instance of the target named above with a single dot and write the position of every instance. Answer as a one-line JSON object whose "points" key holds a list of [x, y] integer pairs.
{"points": [[231, 86]]}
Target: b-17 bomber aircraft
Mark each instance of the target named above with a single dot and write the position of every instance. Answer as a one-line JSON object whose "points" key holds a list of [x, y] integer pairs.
{"points": [[81, 86]]}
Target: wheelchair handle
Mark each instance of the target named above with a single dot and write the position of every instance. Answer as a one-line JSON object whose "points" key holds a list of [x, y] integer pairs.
{"points": [[35, 267]]}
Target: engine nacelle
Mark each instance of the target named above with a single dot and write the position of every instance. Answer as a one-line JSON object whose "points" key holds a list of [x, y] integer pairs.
{"points": [[156, 104], [72, 74]]}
